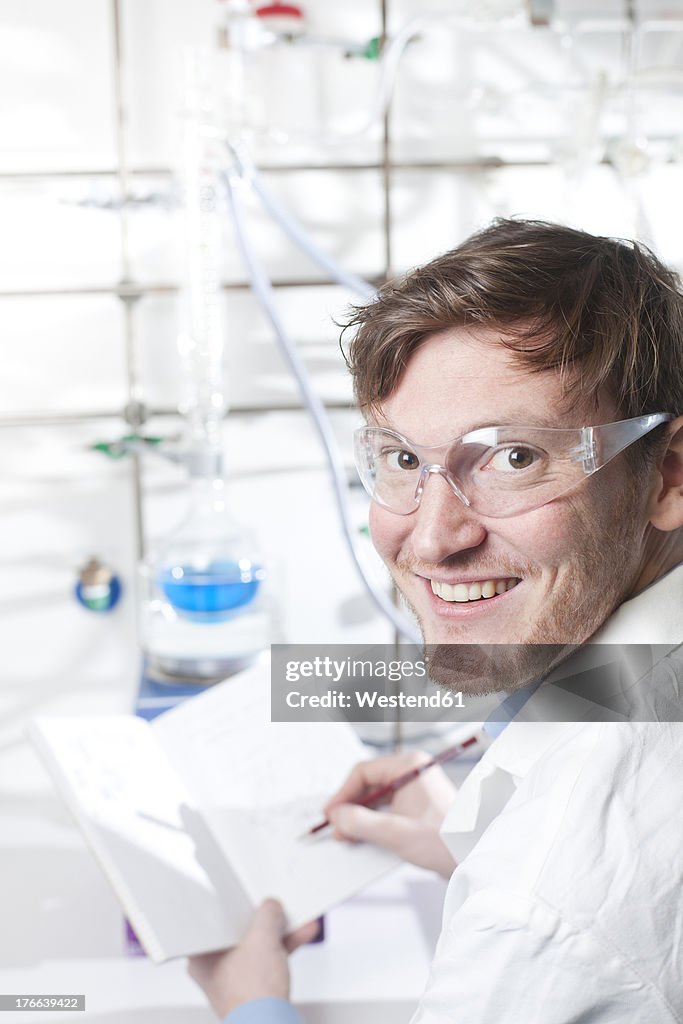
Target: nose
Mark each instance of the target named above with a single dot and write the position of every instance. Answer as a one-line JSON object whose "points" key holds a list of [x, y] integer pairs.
{"points": [[442, 524]]}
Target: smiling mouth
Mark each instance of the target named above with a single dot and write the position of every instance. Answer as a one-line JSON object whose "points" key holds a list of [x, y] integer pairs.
{"points": [[481, 590]]}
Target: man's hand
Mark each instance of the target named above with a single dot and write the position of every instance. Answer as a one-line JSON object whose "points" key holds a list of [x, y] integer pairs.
{"points": [[410, 826], [254, 969]]}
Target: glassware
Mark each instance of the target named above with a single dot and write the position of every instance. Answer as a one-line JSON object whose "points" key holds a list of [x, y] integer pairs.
{"points": [[205, 601]]}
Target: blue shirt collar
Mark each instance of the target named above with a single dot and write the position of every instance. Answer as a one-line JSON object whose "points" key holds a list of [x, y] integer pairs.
{"points": [[500, 718]]}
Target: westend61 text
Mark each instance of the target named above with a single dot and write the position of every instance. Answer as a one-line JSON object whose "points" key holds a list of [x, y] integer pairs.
{"points": [[369, 699]]}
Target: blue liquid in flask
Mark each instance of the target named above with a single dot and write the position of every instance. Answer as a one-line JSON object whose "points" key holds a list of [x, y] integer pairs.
{"points": [[213, 593]]}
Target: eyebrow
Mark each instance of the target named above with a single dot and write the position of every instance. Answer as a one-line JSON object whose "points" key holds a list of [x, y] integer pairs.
{"points": [[523, 420]]}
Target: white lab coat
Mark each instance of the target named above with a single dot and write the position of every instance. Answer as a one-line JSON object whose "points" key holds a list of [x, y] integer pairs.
{"points": [[567, 904]]}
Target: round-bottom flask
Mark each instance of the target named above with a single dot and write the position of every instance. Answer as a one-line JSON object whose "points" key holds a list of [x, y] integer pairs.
{"points": [[205, 606]]}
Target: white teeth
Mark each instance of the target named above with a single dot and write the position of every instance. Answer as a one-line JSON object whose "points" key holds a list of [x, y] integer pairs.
{"points": [[463, 592]]}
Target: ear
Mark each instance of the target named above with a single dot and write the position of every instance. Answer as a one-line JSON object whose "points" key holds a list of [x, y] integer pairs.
{"points": [[666, 506]]}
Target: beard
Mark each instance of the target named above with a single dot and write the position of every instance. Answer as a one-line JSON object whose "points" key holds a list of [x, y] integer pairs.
{"points": [[598, 579], [480, 669]]}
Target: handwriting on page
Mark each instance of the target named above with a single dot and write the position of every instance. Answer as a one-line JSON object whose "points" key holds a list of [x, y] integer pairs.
{"points": [[119, 773], [271, 854]]}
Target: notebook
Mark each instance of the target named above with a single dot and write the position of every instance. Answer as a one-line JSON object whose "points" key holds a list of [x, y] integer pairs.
{"points": [[198, 815]]}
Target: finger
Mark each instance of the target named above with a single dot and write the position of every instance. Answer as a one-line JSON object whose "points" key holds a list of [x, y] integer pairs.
{"points": [[354, 786], [368, 774], [268, 920], [391, 831], [302, 935], [200, 966]]}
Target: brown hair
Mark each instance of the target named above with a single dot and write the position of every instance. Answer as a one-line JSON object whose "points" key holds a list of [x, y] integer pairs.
{"points": [[605, 313]]}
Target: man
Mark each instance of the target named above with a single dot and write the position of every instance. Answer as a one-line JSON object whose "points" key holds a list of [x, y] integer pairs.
{"points": [[525, 458]]}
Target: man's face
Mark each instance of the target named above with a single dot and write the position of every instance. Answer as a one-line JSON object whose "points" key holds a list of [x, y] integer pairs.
{"points": [[562, 568]]}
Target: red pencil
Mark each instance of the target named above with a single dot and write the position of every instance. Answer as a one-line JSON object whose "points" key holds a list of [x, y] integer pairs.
{"points": [[400, 781]]}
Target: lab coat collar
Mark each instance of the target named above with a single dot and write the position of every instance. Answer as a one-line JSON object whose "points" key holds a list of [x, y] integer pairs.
{"points": [[654, 616], [641, 632]]}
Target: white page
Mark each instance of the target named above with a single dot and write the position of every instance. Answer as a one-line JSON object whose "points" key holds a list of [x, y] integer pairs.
{"points": [[272, 858], [137, 816], [260, 784]]}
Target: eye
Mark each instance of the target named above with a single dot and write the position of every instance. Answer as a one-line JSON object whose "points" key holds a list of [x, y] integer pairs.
{"points": [[513, 458], [400, 459]]}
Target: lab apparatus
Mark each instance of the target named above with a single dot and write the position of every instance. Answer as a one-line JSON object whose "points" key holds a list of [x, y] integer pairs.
{"points": [[203, 604], [205, 607]]}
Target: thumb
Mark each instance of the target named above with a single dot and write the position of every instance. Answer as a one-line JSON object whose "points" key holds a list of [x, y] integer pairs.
{"points": [[307, 933], [392, 831], [268, 920]]}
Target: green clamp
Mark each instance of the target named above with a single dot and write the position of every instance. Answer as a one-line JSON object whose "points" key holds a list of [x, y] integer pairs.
{"points": [[125, 445]]}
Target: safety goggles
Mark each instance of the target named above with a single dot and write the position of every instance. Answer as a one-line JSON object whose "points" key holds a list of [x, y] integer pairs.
{"points": [[495, 471]]}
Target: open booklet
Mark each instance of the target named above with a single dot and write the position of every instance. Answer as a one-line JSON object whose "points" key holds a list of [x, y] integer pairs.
{"points": [[198, 815]]}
